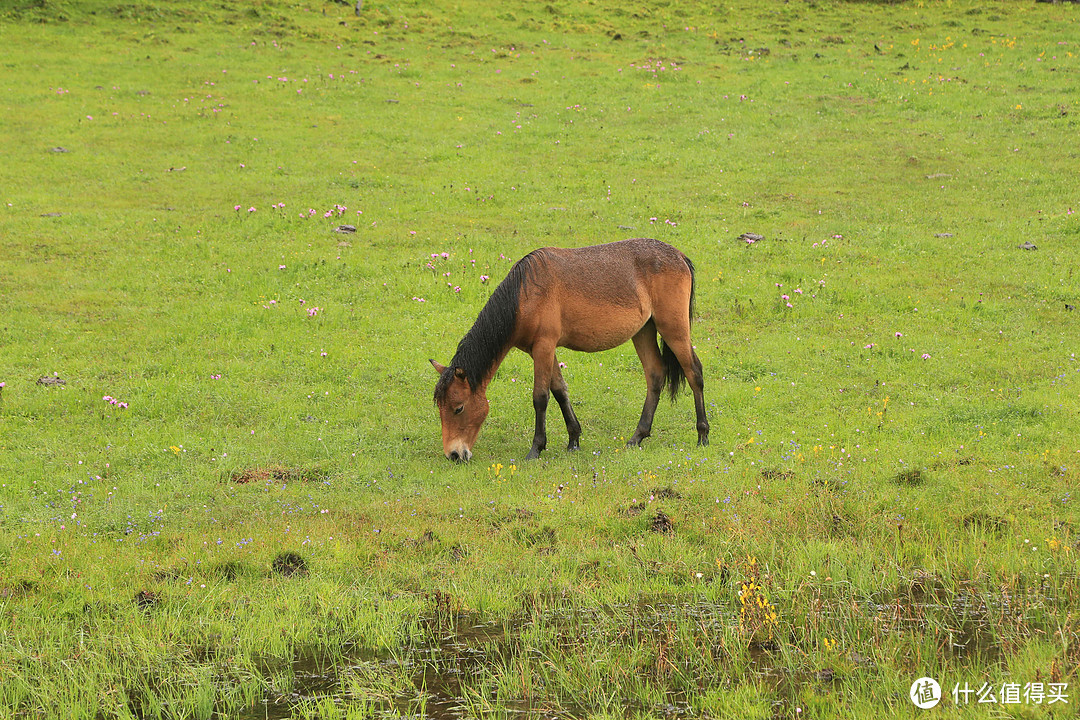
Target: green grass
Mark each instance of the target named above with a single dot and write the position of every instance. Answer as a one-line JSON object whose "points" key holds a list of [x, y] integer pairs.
{"points": [[889, 489]]}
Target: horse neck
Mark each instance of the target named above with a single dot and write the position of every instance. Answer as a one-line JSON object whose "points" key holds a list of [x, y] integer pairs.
{"points": [[486, 344], [490, 374]]}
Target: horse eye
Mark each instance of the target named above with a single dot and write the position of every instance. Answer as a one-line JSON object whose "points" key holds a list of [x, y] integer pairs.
{"points": [[459, 409]]}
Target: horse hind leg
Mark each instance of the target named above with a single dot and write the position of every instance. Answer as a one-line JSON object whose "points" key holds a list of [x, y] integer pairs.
{"points": [[562, 396], [543, 368], [677, 344], [653, 365], [698, 386]]}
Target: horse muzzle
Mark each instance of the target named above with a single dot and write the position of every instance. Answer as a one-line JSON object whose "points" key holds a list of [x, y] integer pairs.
{"points": [[459, 455]]}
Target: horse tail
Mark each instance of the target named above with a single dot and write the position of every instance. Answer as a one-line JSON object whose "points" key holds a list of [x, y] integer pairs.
{"points": [[690, 267], [674, 377]]}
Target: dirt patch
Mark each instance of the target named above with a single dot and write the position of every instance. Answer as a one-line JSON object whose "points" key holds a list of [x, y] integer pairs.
{"points": [[145, 599], [666, 493], [289, 564], [274, 472], [427, 538], [172, 573], [19, 587], [662, 524], [911, 478], [516, 515], [523, 514], [543, 541]]}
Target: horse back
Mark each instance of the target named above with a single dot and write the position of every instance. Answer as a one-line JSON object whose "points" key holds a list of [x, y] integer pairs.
{"points": [[611, 272], [597, 297]]}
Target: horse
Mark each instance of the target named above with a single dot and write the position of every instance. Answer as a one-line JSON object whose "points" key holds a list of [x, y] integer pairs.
{"points": [[587, 299]]}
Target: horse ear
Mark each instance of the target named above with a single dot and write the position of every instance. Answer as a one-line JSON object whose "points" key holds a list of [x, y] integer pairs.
{"points": [[459, 373], [438, 368]]}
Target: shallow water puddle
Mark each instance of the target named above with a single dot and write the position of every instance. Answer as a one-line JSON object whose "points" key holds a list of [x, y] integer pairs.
{"points": [[440, 673], [455, 672], [435, 672]]}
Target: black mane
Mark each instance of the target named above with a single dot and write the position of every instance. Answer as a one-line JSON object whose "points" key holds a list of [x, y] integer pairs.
{"points": [[491, 332]]}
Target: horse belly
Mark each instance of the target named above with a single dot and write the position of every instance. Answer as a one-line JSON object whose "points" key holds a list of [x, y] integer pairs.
{"points": [[600, 327]]}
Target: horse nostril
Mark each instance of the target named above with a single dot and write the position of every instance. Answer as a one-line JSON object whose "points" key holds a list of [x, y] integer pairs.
{"points": [[455, 456]]}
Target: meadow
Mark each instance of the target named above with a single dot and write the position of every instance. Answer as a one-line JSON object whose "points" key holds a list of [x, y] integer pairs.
{"points": [[222, 491]]}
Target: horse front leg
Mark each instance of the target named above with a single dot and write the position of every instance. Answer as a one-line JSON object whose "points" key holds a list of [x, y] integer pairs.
{"points": [[539, 443], [562, 396], [543, 362]]}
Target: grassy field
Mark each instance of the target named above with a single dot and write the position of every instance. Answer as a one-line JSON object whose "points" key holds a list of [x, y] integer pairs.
{"points": [[222, 491]]}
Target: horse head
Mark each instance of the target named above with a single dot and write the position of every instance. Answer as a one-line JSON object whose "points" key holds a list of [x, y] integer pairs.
{"points": [[461, 410]]}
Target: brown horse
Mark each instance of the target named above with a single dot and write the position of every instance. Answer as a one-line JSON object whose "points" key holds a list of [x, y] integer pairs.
{"points": [[589, 299]]}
